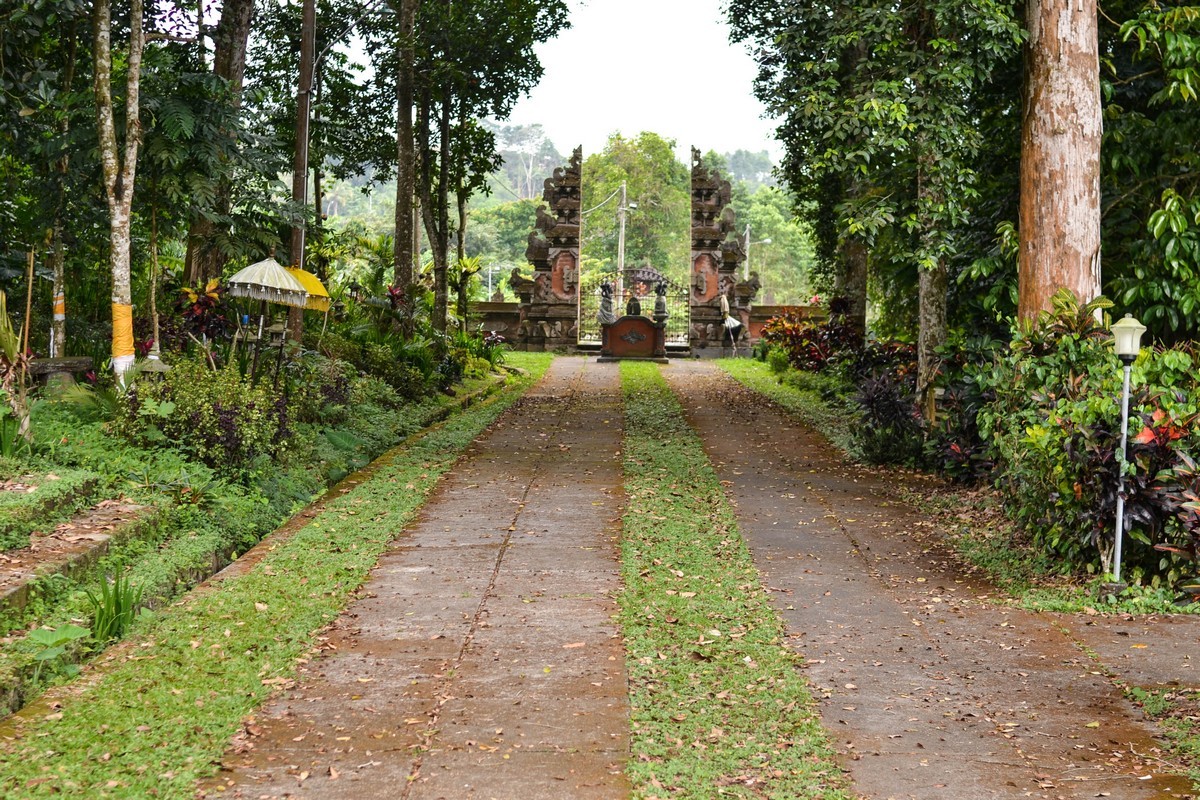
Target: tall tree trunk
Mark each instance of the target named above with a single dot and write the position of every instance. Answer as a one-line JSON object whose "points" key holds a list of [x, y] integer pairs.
{"points": [[851, 280], [308, 51], [204, 261], [58, 324], [932, 287], [1060, 155], [58, 257], [441, 245], [932, 284], [406, 171], [119, 173], [318, 266], [461, 234]]}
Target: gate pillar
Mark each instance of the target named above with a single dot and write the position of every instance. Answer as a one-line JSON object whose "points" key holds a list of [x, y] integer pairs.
{"points": [[549, 315], [718, 251]]}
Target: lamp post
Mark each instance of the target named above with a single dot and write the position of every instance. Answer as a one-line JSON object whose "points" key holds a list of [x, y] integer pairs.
{"points": [[746, 264], [1128, 336], [623, 208]]}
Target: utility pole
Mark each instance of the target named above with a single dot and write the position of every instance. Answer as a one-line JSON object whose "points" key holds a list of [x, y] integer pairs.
{"points": [[308, 47], [621, 209], [746, 263]]}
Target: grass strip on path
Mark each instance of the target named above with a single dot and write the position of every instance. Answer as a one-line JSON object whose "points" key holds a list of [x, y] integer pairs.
{"points": [[793, 392], [719, 707], [153, 723]]}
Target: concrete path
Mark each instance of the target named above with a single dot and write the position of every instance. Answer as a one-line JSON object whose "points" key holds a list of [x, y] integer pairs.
{"points": [[482, 658], [929, 691]]}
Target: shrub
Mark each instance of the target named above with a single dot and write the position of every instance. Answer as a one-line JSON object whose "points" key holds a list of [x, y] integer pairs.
{"points": [[777, 360], [954, 446], [216, 417], [1053, 430], [891, 430], [319, 388], [813, 345]]}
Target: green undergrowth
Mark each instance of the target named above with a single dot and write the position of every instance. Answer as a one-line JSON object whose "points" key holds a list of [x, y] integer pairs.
{"points": [[1030, 576], [159, 718], [719, 706], [809, 397], [199, 520], [53, 496], [1092, 597]]}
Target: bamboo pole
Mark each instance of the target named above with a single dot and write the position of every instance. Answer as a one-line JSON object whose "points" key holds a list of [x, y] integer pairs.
{"points": [[28, 312]]}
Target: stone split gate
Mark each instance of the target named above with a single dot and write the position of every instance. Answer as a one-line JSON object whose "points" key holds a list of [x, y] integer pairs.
{"points": [[556, 311]]}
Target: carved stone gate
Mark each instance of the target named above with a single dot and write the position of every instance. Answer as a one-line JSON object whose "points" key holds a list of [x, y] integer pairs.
{"points": [[636, 282], [556, 310]]}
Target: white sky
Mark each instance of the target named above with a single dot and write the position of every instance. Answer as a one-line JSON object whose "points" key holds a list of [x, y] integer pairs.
{"points": [[648, 65]]}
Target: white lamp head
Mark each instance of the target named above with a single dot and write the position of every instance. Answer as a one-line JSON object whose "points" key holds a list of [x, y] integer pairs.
{"points": [[1127, 334]]}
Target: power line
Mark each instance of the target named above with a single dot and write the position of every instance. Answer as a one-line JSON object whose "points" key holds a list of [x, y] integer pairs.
{"points": [[616, 192], [505, 186]]}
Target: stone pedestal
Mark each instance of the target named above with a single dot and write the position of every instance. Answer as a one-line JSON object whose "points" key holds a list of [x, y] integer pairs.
{"points": [[634, 337]]}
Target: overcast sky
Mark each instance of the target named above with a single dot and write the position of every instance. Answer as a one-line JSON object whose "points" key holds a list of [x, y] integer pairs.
{"points": [[648, 65]]}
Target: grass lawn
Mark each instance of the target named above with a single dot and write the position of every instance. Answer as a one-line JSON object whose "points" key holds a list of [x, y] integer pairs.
{"points": [[719, 706]]}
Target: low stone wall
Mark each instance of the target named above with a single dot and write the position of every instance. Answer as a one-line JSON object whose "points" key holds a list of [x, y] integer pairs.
{"points": [[505, 319], [760, 314], [501, 318]]}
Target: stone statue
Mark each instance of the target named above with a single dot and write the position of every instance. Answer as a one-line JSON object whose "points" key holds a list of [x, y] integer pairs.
{"points": [[542, 292], [634, 307], [660, 300], [728, 221], [606, 315], [538, 249], [570, 277], [701, 283]]}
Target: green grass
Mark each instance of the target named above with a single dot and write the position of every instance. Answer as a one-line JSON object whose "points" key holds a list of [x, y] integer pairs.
{"points": [[1177, 715], [810, 398], [179, 545], [1031, 577], [157, 720], [719, 707]]}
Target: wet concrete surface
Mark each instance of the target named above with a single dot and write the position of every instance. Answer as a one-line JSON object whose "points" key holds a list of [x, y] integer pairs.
{"points": [[481, 658], [928, 690]]}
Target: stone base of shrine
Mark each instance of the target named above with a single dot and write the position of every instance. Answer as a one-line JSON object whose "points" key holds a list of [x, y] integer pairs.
{"points": [[634, 337]]}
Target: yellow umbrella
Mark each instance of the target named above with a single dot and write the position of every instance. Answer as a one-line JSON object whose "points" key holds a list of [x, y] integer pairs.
{"points": [[318, 295]]}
